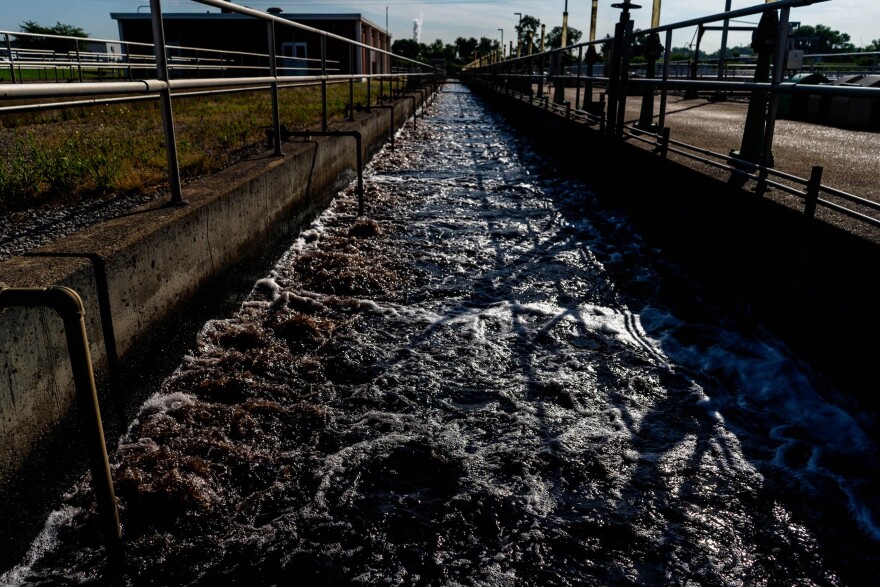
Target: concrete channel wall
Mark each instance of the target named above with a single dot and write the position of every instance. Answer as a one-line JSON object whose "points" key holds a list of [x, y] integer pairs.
{"points": [[150, 262], [805, 280]]}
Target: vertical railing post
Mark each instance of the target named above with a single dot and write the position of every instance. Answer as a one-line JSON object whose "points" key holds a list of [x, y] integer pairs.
{"points": [[577, 92], [541, 76], [664, 93], [273, 72], [79, 67], [812, 198], [351, 83], [754, 138], [167, 113], [9, 51], [663, 147], [369, 81], [776, 80], [323, 82], [360, 165]]}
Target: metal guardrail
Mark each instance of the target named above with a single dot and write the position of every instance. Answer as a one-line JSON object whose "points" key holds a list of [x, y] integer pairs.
{"points": [[541, 78], [184, 74]]}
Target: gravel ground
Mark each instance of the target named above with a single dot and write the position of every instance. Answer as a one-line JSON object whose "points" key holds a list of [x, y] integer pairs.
{"points": [[26, 230]]}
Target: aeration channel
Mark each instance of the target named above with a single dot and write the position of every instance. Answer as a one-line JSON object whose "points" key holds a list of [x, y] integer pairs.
{"points": [[480, 382]]}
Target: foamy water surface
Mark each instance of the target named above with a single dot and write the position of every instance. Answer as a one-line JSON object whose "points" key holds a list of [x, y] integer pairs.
{"points": [[479, 384]]}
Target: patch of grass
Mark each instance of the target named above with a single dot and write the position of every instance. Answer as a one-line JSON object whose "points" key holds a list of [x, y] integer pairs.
{"points": [[89, 152]]}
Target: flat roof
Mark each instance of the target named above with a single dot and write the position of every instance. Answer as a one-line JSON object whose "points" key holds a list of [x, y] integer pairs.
{"points": [[298, 16]]}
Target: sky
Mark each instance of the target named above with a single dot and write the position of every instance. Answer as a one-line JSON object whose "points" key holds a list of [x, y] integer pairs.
{"points": [[428, 20]]}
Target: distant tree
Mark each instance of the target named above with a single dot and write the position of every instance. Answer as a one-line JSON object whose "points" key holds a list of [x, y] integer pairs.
{"points": [[873, 46], [680, 53], [465, 48], [528, 24], [554, 41], [47, 43], [686, 53], [554, 37], [607, 47], [439, 50], [486, 46], [637, 50], [821, 39], [407, 48], [733, 52]]}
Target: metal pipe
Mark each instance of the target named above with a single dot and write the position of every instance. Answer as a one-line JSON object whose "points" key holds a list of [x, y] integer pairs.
{"points": [[307, 134], [732, 15], [391, 123], [413, 98], [167, 113], [99, 266], [69, 306]]}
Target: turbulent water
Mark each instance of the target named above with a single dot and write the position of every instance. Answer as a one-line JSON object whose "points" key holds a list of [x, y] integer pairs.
{"points": [[478, 384]]}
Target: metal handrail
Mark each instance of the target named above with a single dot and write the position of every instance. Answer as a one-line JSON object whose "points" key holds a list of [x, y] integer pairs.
{"points": [[511, 75], [322, 71]]}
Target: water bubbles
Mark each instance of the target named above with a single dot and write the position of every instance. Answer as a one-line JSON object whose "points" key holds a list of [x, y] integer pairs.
{"points": [[455, 390]]}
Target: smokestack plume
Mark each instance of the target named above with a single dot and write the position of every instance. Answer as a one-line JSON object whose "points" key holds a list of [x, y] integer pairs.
{"points": [[417, 30]]}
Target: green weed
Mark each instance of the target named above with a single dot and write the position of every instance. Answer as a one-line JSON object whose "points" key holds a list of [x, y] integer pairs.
{"points": [[88, 152]]}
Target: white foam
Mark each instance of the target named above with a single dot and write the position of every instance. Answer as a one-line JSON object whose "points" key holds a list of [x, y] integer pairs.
{"points": [[44, 543]]}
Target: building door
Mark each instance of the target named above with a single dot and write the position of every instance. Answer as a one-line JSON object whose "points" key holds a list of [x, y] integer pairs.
{"points": [[295, 59]]}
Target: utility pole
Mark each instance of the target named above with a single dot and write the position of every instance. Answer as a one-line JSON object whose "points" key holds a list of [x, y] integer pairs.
{"points": [[722, 53], [559, 59], [564, 40], [652, 51], [591, 58], [518, 33]]}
